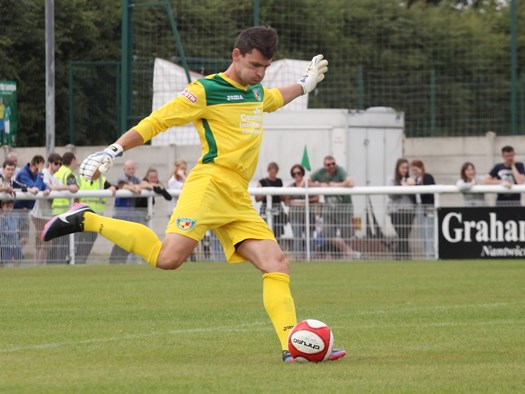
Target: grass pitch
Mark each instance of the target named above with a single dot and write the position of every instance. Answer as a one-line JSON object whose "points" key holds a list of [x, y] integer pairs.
{"points": [[408, 327]]}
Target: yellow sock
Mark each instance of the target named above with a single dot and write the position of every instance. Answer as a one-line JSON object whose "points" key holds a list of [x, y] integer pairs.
{"points": [[279, 304], [133, 237]]}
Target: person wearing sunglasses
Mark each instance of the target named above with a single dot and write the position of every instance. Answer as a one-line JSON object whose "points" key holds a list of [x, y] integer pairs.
{"points": [[337, 212], [297, 212]]}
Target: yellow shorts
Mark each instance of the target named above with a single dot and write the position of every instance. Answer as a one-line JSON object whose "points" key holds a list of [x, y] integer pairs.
{"points": [[217, 199]]}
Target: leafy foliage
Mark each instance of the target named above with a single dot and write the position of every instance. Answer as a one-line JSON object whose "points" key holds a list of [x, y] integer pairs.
{"points": [[444, 63]]}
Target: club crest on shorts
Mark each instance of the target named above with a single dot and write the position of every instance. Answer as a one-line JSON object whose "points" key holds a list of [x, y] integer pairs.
{"points": [[185, 223]]}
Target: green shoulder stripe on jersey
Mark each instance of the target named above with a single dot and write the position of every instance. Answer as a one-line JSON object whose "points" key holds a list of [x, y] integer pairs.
{"points": [[220, 91], [212, 152]]}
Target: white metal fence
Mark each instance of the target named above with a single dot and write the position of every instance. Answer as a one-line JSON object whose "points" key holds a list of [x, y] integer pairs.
{"points": [[366, 229]]}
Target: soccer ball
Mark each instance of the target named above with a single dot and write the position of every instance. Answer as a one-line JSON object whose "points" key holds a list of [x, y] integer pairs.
{"points": [[310, 341]]}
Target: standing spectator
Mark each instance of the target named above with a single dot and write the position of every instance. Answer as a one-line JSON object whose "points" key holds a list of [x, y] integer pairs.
{"points": [[337, 211], [401, 209], [278, 216], [31, 176], [509, 172], [10, 247], [66, 175], [84, 241], [297, 212], [10, 184], [41, 211], [425, 207], [177, 179], [125, 206], [14, 158], [468, 178]]}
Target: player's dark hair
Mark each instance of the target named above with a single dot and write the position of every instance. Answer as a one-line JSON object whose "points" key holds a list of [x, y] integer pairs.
{"points": [[262, 38], [507, 149], [67, 158]]}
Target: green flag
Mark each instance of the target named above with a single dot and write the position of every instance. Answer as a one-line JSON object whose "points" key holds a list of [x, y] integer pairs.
{"points": [[305, 162]]}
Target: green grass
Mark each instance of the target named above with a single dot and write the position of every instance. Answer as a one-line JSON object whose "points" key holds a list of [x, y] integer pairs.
{"points": [[408, 327]]}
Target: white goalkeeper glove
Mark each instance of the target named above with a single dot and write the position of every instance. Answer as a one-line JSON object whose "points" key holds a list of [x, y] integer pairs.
{"points": [[101, 161], [313, 74]]}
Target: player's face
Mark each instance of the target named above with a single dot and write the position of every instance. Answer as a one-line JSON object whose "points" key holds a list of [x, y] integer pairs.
{"points": [[251, 67]]}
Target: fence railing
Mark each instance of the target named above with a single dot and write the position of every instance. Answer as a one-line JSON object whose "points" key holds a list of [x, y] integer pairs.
{"points": [[364, 229]]}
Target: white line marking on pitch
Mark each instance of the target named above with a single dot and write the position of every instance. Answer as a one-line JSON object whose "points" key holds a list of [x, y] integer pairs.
{"points": [[51, 345]]}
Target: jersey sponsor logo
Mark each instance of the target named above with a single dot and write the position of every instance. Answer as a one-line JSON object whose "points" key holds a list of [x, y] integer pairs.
{"points": [[252, 123], [190, 96], [234, 97], [257, 94], [185, 223]]}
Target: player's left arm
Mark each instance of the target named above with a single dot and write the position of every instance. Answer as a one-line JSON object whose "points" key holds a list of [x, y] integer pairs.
{"points": [[313, 74]]}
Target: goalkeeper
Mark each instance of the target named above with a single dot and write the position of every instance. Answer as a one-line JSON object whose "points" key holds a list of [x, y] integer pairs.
{"points": [[227, 111]]}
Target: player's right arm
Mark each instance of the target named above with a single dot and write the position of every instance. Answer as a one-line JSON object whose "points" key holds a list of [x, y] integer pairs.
{"points": [[188, 106]]}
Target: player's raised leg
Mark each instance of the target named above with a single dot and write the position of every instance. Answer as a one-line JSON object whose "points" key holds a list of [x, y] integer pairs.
{"points": [[133, 237]]}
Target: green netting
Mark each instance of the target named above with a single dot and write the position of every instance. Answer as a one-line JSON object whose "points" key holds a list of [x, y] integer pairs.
{"points": [[445, 64]]}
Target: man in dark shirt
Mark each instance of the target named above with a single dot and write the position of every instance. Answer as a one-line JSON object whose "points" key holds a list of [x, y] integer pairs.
{"points": [[508, 173]]}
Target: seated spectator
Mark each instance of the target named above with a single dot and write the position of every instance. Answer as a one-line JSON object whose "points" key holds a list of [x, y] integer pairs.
{"points": [[466, 181]]}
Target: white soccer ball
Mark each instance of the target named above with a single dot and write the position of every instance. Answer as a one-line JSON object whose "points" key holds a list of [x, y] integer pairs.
{"points": [[310, 341]]}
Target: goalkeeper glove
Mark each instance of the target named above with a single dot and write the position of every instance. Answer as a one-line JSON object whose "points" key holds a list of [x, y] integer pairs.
{"points": [[313, 74], [101, 161]]}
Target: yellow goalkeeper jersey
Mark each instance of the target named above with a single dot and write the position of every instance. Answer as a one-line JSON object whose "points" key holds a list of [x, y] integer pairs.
{"points": [[227, 116]]}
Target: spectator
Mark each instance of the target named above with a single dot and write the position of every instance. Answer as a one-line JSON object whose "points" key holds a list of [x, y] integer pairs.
{"points": [[84, 241], [401, 210], [151, 182], [14, 158], [66, 176], [425, 207], [31, 176], [177, 179], [10, 246], [125, 206], [337, 211], [468, 178], [8, 181], [297, 213], [41, 211], [509, 172], [278, 216]]}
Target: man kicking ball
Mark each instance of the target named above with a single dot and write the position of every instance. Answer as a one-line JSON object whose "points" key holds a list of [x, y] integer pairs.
{"points": [[215, 195]]}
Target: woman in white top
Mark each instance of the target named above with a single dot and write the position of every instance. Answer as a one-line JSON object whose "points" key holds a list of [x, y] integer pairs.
{"points": [[467, 180], [177, 179]]}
